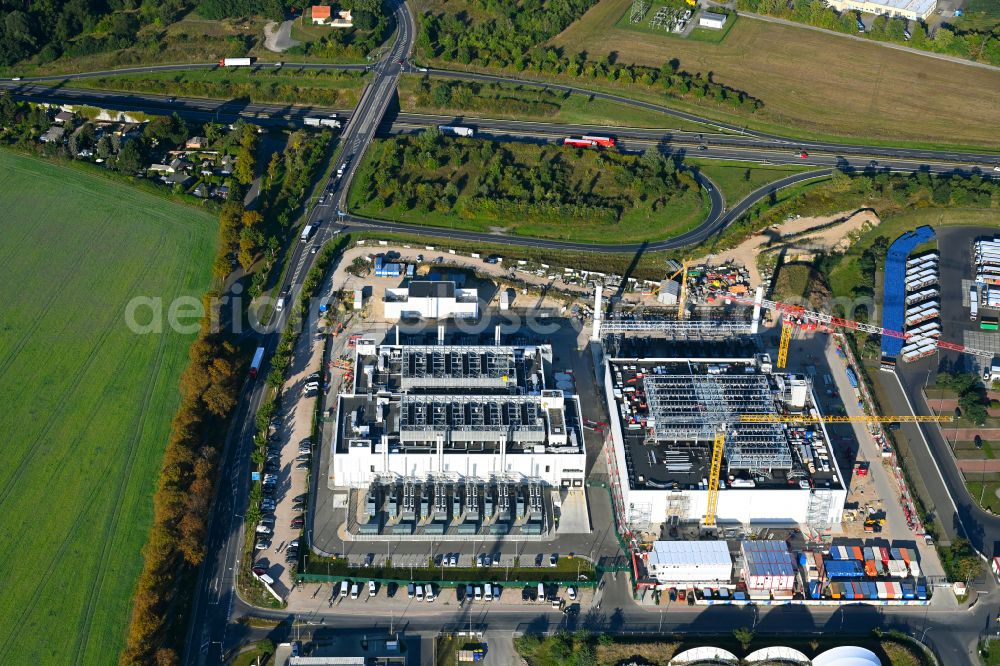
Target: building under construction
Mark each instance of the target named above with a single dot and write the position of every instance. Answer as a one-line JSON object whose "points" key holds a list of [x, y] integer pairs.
{"points": [[666, 414]]}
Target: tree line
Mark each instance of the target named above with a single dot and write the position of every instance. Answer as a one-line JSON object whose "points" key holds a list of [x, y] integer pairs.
{"points": [[974, 44], [450, 38], [471, 97], [280, 89]]}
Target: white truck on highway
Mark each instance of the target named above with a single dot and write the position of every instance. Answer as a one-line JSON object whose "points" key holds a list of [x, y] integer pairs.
{"points": [[235, 62], [457, 130], [323, 122]]}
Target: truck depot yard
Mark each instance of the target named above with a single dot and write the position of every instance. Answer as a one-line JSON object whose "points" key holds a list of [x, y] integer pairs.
{"points": [[87, 402]]}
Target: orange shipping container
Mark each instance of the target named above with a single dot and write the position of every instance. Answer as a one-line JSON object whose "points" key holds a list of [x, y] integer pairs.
{"points": [[870, 570], [738, 289], [856, 553]]}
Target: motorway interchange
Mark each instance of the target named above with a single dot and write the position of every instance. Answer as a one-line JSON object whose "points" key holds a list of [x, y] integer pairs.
{"points": [[953, 632]]}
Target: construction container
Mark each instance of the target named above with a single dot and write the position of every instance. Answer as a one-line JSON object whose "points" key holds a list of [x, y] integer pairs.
{"points": [[914, 568], [844, 569]]}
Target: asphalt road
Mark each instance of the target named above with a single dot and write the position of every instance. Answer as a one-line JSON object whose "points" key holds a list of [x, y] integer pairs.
{"points": [[215, 596]]}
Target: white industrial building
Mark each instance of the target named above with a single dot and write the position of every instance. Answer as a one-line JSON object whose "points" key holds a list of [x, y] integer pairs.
{"points": [[665, 413], [418, 413], [689, 563], [712, 20], [429, 299], [913, 10]]}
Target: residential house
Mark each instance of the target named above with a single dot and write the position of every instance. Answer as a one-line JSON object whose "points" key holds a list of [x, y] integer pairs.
{"points": [[221, 192], [64, 117], [320, 14], [179, 178], [53, 135], [196, 143], [226, 165], [161, 168], [343, 20], [201, 191], [207, 168]]}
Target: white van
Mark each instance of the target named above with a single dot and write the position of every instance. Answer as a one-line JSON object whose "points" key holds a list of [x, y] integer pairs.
{"points": [[420, 592], [371, 588], [541, 591], [264, 578], [479, 593], [429, 592], [488, 594], [355, 591], [345, 587]]}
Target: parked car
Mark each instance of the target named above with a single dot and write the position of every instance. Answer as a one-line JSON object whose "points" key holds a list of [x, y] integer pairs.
{"points": [[571, 593], [420, 592], [553, 559], [411, 590], [298, 523], [302, 465], [261, 544], [312, 386], [372, 588], [390, 590], [355, 591], [259, 571], [453, 560], [496, 559], [345, 588]]}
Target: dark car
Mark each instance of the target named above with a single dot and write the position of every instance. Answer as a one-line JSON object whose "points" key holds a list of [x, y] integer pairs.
{"points": [[391, 589], [260, 571], [298, 523], [673, 594], [978, 441]]}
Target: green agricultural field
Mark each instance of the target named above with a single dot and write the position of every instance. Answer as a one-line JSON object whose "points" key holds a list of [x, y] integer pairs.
{"points": [[263, 84], [586, 195], [812, 84], [87, 402]]}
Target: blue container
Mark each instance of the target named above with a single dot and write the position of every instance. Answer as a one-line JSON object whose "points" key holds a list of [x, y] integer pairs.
{"points": [[845, 569]]}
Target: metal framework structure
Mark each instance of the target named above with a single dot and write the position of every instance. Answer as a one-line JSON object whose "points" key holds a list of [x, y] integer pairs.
{"points": [[718, 445], [781, 418], [459, 367], [639, 9], [840, 322], [786, 340], [693, 407], [680, 328]]}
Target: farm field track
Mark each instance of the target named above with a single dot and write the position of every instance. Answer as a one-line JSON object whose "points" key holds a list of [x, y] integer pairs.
{"points": [[87, 402], [815, 83]]}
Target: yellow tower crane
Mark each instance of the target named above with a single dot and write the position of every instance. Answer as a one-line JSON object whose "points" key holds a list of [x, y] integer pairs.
{"points": [[713, 477], [786, 340]]}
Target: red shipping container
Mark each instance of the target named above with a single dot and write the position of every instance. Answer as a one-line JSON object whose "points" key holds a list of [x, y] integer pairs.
{"points": [[885, 554]]}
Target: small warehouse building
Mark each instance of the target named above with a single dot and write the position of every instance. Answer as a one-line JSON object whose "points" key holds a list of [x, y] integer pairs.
{"points": [[690, 563], [431, 299], [712, 20]]}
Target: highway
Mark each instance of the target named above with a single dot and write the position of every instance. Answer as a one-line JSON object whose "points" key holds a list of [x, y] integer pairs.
{"points": [[215, 595]]}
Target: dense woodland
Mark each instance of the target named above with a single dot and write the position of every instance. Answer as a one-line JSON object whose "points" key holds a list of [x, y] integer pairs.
{"points": [[514, 41], [981, 42], [51, 28]]}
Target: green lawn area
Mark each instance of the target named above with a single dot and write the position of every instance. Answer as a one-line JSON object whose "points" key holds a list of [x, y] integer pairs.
{"points": [[529, 103], [793, 282], [261, 84], [738, 179], [88, 403], [975, 482], [846, 274], [544, 191]]}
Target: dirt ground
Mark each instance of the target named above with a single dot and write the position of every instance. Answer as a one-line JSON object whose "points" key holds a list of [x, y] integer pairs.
{"points": [[793, 236]]}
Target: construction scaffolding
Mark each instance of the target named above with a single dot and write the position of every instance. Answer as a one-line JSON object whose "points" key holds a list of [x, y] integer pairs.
{"points": [[680, 329], [693, 407]]}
